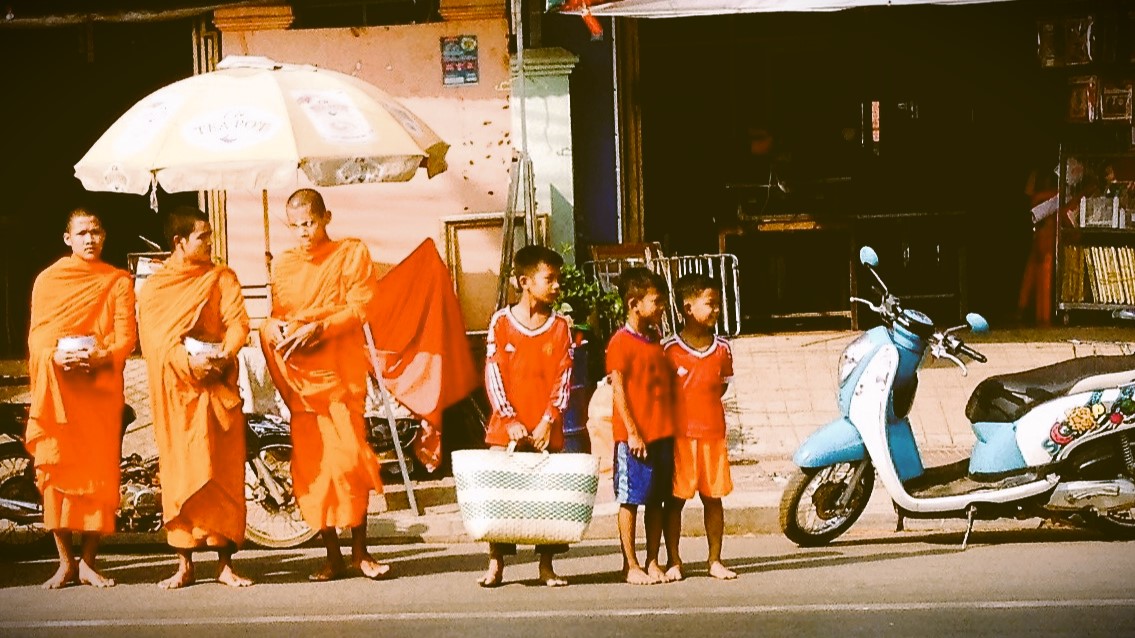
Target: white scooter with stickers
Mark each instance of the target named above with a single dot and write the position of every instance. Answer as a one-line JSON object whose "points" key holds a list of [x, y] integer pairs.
{"points": [[1055, 442]]}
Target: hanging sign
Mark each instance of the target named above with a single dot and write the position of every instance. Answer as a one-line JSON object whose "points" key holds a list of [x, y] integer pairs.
{"points": [[459, 60]]}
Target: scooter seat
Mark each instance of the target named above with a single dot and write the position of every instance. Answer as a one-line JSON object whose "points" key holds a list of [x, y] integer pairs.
{"points": [[1007, 397]]}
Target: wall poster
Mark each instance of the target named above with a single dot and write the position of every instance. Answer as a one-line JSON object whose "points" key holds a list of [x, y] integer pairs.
{"points": [[459, 60]]}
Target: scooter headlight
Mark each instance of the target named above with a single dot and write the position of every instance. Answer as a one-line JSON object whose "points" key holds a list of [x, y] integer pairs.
{"points": [[852, 355]]}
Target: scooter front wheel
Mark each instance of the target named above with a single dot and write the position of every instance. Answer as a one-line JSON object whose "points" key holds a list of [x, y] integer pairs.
{"points": [[811, 513]]}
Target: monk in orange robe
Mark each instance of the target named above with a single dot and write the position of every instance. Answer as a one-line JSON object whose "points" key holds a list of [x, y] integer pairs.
{"points": [[316, 353], [75, 427], [198, 421]]}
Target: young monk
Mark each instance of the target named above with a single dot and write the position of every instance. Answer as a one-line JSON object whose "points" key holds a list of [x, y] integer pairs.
{"points": [[75, 425], [316, 354], [198, 421]]}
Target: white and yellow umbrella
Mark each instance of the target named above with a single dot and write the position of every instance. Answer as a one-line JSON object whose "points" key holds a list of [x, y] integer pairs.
{"points": [[255, 125]]}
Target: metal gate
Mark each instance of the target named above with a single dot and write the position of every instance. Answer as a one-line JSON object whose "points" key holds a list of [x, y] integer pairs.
{"points": [[721, 268]]}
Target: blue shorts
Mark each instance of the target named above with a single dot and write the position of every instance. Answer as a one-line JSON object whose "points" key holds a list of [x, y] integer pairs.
{"points": [[646, 481]]}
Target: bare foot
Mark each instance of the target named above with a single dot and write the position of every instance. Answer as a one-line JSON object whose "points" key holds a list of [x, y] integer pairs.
{"points": [[494, 575], [721, 572], [90, 576], [674, 573], [550, 578], [64, 576], [655, 572], [326, 573], [371, 568], [635, 576], [233, 579], [183, 578]]}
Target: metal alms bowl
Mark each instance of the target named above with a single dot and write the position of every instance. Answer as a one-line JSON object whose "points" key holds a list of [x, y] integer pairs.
{"points": [[76, 343], [196, 347]]}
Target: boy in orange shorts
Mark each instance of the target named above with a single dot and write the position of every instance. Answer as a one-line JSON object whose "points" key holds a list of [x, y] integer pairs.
{"points": [[642, 422], [704, 365]]}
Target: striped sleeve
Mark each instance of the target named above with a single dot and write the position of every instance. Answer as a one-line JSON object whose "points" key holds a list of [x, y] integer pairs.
{"points": [[496, 367]]}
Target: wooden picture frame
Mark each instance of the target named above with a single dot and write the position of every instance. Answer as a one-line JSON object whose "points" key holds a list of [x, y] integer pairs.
{"points": [[1115, 102], [1083, 98], [453, 225]]}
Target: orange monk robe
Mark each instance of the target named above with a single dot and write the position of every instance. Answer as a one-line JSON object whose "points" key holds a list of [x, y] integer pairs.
{"points": [[420, 335], [333, 467], [75, 426], [198, 425]]}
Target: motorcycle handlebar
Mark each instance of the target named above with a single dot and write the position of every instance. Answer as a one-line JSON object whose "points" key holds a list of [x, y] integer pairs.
{"points": [[972, 354]]}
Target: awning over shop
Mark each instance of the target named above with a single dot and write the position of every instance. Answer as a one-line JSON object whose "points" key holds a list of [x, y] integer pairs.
{"points": [[686, 8]]}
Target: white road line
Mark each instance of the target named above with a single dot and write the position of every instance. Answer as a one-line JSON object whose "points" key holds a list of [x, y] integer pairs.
{"points": [[572, 613]]}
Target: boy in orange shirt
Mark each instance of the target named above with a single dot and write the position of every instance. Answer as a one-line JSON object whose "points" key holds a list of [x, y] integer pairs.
{"points": [[528, 378], [642, 385], [704, 365]]}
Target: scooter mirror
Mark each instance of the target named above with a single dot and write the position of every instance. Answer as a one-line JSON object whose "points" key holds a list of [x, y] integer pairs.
{"points": [[977, 323], [868, 257]]}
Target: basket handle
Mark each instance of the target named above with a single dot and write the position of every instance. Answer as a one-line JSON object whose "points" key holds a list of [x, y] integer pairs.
{"points": [[543, 456]]}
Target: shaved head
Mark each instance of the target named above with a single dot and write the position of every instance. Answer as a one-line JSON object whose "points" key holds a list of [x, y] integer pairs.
{"points": [[308, 198], [82, 213], [308, 218]]}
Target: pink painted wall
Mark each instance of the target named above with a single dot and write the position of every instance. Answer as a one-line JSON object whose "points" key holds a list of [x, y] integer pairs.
{"points": [[404, 61]]}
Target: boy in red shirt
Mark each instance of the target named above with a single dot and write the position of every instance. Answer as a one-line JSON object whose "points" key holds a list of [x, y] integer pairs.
{"points": [[528, 379], [642, 384], [704, 366]]}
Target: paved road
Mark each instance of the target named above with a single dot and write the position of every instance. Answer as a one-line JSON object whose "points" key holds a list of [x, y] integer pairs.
{"points": [[1042, 583]]}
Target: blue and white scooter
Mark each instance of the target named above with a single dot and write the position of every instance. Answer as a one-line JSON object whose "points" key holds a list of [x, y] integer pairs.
{"points": [[1051, 442]]}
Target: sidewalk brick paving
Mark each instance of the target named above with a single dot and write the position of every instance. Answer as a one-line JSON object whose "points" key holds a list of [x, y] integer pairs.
{"points": [[785, 384]]}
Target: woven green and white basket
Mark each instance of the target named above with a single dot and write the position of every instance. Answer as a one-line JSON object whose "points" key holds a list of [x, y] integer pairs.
{"points": [[524, 497]]}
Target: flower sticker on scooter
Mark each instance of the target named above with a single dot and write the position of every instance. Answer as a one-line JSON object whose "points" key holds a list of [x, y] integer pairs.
{"points": [[1061, 434], [1077, 422]]}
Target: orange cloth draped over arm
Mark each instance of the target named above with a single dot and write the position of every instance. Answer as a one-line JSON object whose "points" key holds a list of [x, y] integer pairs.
{"points": [[324, 386], [198, 424], [420, 335], [75, 426]]}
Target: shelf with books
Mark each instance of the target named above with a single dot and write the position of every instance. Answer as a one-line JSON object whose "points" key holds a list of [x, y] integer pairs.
{"points": [[1095, 237]]}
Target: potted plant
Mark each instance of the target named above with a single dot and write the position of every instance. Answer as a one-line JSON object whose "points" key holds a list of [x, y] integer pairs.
{"points": [[592, 309]]}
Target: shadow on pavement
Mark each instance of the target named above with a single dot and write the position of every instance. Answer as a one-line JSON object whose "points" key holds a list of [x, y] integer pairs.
{"points": [[980, 537], [816, 560]]}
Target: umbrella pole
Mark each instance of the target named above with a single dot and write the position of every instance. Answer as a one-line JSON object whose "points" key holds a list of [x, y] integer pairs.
{"points": [[267, 250], [525, 160]]}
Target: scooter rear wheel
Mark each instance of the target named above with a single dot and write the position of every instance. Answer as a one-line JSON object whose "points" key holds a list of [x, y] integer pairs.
{"points": [[810, 515], [1115, 524]]}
